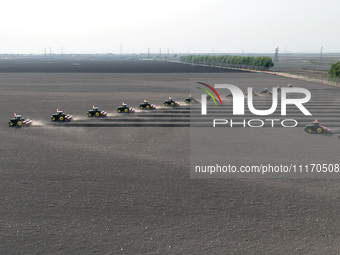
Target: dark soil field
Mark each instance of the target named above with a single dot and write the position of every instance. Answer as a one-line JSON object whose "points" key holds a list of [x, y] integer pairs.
{"points": [[122, 185], [98, 66]]}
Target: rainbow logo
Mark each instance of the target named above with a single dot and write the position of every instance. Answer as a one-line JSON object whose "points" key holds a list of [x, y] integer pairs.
{"points": [[209, 93]]}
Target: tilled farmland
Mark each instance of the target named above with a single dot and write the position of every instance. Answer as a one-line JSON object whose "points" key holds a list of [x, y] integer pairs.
{"points": [[121, 184]]}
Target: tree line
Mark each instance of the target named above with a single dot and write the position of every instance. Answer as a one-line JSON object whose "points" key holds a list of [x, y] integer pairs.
{"points": [[262, 63]]}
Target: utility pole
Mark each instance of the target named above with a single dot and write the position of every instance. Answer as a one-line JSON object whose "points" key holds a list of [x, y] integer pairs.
{"points": [[276, 57], [321, 53], [148, 53]]}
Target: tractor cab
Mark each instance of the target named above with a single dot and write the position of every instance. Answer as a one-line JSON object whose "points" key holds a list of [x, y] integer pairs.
{"points": [[315, 124], [123, 106], [17, 118]]}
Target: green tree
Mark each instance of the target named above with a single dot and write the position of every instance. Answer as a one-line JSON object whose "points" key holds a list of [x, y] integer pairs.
{"points": [[334, 71]]}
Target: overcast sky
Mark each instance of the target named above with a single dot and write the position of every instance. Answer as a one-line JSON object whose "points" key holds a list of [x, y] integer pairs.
{"points": [[182, 26]]}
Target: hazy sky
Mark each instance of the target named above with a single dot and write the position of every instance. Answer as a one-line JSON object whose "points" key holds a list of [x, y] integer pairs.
{"points": [[182, 26]]}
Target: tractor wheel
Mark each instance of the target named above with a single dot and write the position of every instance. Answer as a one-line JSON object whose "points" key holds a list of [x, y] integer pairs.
{"points": [[53, 118], [267, 93], [19, 123], [11, 124], [141, 107], [61, 118], [166, 104], [172, 103], [90, 114], [119, 110], [187, 101], [147, 107], [193, 101], [126, 110], [319, 130], [97, 114], [309, 130]]}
